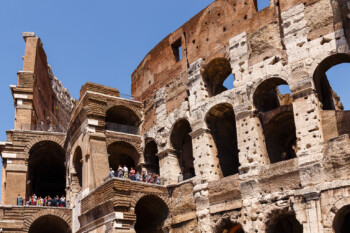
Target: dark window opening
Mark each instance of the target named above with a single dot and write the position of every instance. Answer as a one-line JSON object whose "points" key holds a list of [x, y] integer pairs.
{"points": [[46, 170], [122, 119], [77, 178], [218, 76], [284, 223], [151, 213], [341, 223], [49, 224], [231, 228], [177, 50], [182, 143], [275, 111], [222, 124], [151, 158], [122, 153]]}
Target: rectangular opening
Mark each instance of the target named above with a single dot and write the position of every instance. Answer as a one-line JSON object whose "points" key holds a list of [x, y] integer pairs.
{"points": [[177, 50], [262, 4]]}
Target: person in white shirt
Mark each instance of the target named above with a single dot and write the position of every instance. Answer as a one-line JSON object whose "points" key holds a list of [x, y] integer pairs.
{"points": [[126, 172]]}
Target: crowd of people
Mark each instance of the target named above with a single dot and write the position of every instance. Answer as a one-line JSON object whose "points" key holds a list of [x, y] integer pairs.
{"points": [[34, 200], [123, 172]]}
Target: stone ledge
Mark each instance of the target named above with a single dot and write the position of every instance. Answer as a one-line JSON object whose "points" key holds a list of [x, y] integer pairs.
{"points": [[225, 206]]}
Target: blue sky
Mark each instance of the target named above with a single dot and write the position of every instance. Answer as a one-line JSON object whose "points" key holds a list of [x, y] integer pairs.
{"points": [[97, 41]]}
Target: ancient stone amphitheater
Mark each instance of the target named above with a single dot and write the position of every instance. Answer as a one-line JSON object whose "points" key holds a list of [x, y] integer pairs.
{"points": [[248, 159]]}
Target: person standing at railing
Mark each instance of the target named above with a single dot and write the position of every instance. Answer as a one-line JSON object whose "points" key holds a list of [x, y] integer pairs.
{"points": [[120, 171], [132, 173], [111, 173], [19, 200], [137, 176], [126, 172]]}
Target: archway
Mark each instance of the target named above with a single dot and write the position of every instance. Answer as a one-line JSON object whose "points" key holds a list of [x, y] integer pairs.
{"points": [[122, 153], [151, 159], [276, 115], [122, 119], [49, 224], [182, 142], [151, 212], [78, 166], [327, 96], [214, 75], [284, 223], [341, 223], [231, 228], [46, 169], [222, 124]]}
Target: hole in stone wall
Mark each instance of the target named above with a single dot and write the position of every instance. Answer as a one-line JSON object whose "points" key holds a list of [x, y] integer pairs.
{"points": [[222, 124], [151, 212], [177, 50], [122, 153], [182, 143], [341, 223], [49, 224], [78, 166], [215, 74], [231, 228], [262, 4], [284, 223], [151, 158], [46, 170], [275, 112]]}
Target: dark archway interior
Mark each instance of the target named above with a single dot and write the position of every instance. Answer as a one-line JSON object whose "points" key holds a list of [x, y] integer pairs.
{"points": [[222, 124], [122, 119], [341, 222], [285, 223], [49, 224], [151, 158], [182, 143], [275, 111], [46, 169], [78, 165], [151, 212], [122, 153], [215, 74], [232, 228], [325, 93]]}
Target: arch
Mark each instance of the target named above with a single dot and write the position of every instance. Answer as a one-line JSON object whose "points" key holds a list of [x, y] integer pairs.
{"points": [[151, 158], [78, 166], [151, 213], [46, 169], [121, 118], [325, 93], [35, 140], [181, 141], [122, 153], [221, 121], [275, 111], [49, 224], [59, 213], [341, 222], [214, 75], [283, 221], [231, 228]]}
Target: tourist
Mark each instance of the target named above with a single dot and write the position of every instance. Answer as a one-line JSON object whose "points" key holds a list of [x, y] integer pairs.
{"points": [[120, 171], [126, 172], [57, 199], [62, 201], [111, 173], [45, 201], [132, 173], [144, 176], [137, 176], [158, 180], [149, 178], [53, 202], [34, 199], [48, 201], [19, 200]]}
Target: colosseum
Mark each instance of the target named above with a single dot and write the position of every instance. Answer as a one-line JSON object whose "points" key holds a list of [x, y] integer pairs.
{"points": [[245, 159]]}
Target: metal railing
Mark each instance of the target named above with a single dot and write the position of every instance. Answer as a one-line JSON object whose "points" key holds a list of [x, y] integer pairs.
{"points": [[122, 128]]}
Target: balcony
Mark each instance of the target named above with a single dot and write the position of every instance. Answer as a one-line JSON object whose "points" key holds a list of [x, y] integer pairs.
{"points": [[122, 128]]}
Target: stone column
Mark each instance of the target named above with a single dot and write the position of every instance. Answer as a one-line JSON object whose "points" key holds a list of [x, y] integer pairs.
{"points": [[169, 166], [314, 215], [206, 162], [195, 83], [99, 158]]}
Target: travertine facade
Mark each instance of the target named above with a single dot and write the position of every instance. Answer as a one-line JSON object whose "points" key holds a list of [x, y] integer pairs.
{"points": [[248, 159]]}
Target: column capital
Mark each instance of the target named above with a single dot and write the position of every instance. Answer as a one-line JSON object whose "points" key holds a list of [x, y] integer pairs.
{"points": [[166, 152], [199, 132]]}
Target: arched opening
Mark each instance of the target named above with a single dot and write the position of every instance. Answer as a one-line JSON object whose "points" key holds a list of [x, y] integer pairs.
{"points": [[222, 124], [275, 111], [151, 212], [231, 228], [122, 153], [49, 224], [284, 223], [214, 75], [326, 95], [182, 142], [46, 169], [122, 119], [151, 158], [341, 223], [77, 178]]}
